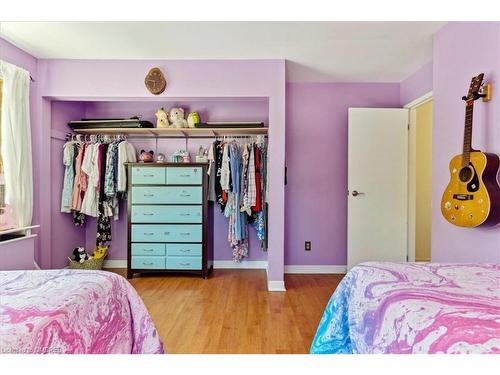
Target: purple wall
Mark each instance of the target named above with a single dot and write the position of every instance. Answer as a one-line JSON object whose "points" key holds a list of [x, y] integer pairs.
{"points": [[248, 109], [316, 156], [416, 85], [461, 51], [316, 136], [64, 236], [18, 254], [16, 56]]}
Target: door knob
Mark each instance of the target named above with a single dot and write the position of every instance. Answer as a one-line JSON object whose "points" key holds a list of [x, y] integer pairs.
{"points": [[355, 193]]}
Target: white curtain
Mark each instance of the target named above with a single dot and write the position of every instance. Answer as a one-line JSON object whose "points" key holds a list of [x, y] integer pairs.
{"points": [[16, 142]]}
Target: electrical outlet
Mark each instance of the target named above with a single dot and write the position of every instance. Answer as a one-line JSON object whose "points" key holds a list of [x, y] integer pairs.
{"points": [[308, 246]]}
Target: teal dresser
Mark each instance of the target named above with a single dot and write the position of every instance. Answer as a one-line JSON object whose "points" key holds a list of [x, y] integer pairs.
{"points": [[169, 219]]}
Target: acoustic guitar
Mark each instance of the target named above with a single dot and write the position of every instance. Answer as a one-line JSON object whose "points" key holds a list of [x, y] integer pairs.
{"points": [[472, 197]]}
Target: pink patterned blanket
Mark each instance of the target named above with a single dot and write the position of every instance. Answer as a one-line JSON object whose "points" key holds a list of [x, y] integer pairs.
{"points": [[413, 308], [73, 311]]}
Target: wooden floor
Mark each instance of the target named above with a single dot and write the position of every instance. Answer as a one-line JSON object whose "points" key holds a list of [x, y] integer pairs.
{"points": [[232, 311]]}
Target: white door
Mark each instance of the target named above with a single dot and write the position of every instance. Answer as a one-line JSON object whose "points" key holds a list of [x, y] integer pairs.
{"points": [[377, 185]]}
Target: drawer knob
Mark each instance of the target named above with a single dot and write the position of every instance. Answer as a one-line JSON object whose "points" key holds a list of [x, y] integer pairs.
{"points": [[185, 175], [147, 264], [185, 233], [148, 214], [149, 195], [185, 250], [149, 250], [185, 195], [166, 233], [148, 175], [148, 234], [185, 264], [185, 214]]}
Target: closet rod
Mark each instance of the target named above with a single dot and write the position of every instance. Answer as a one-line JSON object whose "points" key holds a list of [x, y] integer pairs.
{"points": [[194, 137], [178, 137]]}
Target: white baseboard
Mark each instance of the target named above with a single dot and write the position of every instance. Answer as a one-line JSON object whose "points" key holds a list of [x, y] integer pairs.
{"points": [[255, 264], [218, 264], [276, 286], [249, 265], [316, 269], [115, 263]]}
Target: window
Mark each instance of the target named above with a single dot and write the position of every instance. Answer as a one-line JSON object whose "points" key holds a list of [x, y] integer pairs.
{"points": [[2, 180], [15, 138], [6, 219]]}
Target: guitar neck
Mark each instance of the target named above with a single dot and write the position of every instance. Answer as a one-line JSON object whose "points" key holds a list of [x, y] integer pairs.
{"points": [[469, 109]]}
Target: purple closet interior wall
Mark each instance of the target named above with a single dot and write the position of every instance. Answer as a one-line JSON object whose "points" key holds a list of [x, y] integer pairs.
{"points": [[16, 56], [316, 156], [64, 235], [212, 110], [461, 51], [416, 85]]}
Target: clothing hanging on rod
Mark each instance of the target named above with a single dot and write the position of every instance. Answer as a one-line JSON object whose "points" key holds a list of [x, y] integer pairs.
{"points": [[92, 179], [238, 180]]}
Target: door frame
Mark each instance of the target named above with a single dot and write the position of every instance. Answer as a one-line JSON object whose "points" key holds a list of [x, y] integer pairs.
{"points": [[412, 155]]}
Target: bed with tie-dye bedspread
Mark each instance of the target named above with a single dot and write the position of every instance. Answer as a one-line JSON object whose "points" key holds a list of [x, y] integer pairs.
{"points": [[73, 311], [413, 308]]}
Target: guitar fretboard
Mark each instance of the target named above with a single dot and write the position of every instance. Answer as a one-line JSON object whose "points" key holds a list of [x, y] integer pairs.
{"points": [[467, 134]]}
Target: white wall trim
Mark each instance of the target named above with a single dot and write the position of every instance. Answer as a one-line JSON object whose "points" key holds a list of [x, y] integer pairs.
{"points": [[276, 286], [218, 264], [20, 229], [251, 264], [412, 183], [419, 101], [332, 269], [17, 239], [255, 264], [412, 173], [115, 263]]}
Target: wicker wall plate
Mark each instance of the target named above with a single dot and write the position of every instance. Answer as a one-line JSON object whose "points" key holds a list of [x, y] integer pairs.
{"points": [[155, 81]]}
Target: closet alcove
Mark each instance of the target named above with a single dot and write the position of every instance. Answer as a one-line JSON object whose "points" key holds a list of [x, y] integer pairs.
{"points": [[209, 109], [225, 90]]}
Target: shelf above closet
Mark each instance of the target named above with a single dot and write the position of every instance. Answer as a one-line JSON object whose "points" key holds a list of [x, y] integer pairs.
{"points": [[170, 132]]}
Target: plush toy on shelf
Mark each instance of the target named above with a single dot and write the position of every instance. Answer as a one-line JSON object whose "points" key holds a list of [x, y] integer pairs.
{"points": [[162, 118], [146, 157], [80, 255], [176, 117], [193, 119]]}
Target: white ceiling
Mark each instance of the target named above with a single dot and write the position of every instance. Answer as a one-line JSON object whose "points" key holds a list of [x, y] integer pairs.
{"points": [[315, 51]]}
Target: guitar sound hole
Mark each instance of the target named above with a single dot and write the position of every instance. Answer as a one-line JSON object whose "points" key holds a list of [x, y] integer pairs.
{"points": [[465, 174]]}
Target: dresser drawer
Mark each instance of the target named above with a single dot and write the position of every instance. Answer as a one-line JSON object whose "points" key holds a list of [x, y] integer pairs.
{"points": [[184, 175], [148, 263], [148, 176], [167, 195], [166, 214], [183, 263], [188, 249], [148, 233], [166, 233], [148, 249]]}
